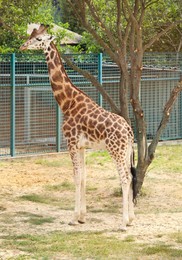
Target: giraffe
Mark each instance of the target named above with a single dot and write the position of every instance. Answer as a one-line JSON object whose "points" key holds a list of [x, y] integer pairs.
{"points": [[87, 125]]}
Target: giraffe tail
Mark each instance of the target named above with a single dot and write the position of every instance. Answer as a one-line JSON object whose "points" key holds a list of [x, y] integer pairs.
{"points": [[134, 178]]}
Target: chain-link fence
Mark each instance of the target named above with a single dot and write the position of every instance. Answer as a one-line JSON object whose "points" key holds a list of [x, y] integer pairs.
{"points": [[31, 120]]}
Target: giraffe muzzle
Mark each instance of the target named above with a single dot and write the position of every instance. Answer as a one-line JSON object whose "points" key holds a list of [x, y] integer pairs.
{"points": [[22, 48]]}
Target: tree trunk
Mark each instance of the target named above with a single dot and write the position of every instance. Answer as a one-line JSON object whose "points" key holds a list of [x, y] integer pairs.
{"points": [[123, 98]]}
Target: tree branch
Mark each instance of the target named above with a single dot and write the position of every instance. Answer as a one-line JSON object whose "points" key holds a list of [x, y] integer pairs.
{"points": [[87, 25], [94, 13], [78, 8], [160, 34], [95, 82], [118, 23], [149, 3], [166, 114], [132, 13]]}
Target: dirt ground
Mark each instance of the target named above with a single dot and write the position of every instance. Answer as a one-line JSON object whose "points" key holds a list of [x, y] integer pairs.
{"points": [[158, 212]]}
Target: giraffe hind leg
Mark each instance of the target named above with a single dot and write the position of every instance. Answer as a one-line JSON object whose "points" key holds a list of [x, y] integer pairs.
{"points": [[131, 206], [82, 217], [123, 162], [125, 191]]}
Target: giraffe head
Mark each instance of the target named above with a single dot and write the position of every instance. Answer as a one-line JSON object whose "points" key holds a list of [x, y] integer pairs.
{"points": [[39, 39]]}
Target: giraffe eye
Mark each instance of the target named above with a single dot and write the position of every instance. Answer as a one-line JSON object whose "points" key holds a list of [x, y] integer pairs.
{"points": [[39, 39]]}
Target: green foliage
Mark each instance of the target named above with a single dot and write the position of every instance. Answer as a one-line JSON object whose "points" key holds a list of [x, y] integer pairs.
{"points": [[155, 22], [63, 13], [14, 18], [90, 45]]}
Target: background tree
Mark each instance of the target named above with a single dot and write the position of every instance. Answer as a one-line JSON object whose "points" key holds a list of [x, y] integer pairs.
{"points": [[171, 11], [14, 17], [64, 14], [125, 30]]}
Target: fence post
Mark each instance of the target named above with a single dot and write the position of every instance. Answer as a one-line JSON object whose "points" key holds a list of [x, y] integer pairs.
{"points": [[12, 138], [100, 76], [58, 128]]}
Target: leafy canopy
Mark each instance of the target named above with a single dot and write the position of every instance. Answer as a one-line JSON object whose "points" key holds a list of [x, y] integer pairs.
{"points": [[156, 16], [14, 17]]}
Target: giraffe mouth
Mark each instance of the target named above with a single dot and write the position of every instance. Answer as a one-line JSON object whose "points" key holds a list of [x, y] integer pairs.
{"points": [[22, 48]]}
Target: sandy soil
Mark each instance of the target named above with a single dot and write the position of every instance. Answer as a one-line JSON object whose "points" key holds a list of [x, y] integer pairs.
{"points": [[158, 212]]}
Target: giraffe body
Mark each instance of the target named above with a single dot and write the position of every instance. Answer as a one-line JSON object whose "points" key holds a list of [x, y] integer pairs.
{"points": [[87, 125]]}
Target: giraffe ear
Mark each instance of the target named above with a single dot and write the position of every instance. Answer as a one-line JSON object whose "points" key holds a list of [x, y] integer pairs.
{"points": [[33, 34], [42, 29], [36, 29]]}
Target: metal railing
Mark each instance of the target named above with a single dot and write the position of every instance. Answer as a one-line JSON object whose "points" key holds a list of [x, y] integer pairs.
{"points": [[31, 120]]}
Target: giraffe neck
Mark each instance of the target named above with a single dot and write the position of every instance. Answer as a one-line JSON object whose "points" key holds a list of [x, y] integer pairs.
{"points": [[63, 89]]}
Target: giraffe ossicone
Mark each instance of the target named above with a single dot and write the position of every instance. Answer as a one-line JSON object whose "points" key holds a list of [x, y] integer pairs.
{"points": [[86, 124]]}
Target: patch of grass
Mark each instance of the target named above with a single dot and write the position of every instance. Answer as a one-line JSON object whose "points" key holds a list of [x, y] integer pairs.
{"points": [[144, 192], [53, 163], [177, 237], [91, 189], [117, 192], [113, 178], [64, 186], [129, 238], [64, 203], [40, 220], [98, 158], [109, 207], [36, 198], [162, 250], [27, 214], [35, 219], [168, 159], [82, 245]]}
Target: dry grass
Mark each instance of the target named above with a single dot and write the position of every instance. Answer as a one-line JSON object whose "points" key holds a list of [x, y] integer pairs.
{"points": [[37, 199]]}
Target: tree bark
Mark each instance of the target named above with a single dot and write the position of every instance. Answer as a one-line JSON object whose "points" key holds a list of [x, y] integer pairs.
{"points": [[123, 98]]}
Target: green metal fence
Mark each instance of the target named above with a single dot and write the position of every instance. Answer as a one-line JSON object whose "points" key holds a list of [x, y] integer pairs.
{"points": [[31, 120]]}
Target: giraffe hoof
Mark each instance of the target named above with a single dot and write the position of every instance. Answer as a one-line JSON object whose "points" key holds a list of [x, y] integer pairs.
{"points": [[130, 223], [123, 229], [81, 222]]}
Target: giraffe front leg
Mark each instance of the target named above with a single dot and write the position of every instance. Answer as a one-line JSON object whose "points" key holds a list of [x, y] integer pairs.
{"points": [[77, 180], [76, 216], [78, 159]]}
